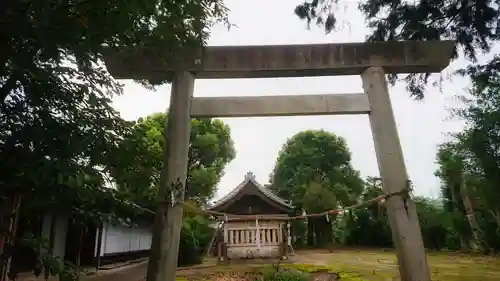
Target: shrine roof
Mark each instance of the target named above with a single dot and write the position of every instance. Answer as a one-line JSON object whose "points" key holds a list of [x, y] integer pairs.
{"points": [[250, 178]]}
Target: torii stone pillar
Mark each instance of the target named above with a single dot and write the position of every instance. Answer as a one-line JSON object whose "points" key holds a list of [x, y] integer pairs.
{"points": [[369, 60], [402, 213], [168, 217]]}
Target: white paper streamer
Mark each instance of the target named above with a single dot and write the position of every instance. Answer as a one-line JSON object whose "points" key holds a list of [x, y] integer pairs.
{"points": [[257, 239], [289, 234]]}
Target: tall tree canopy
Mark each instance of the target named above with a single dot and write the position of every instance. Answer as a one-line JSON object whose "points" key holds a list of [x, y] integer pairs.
{"points": [[57, 126], [469, 164], [139, 158], [55, 95], [313, 170], [472, 24], [455, 191], [315, 156]]}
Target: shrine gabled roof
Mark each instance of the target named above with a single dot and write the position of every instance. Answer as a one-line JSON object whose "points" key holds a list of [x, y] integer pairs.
{"points": [[250, 178]]}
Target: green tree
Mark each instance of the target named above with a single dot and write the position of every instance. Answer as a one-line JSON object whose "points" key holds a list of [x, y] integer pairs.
{"points": [[196, 235], [58, 128], [482, 135], [436, 224], [320, 160], [368, 226], [320, 197], [470, 162], [139, 158], [456, 192], [472, 24]]}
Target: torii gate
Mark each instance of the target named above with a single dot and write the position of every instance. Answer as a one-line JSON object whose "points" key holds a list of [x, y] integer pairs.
{"points": [[370, 60]]}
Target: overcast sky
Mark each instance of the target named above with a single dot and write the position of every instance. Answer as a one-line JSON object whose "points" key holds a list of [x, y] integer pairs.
{"points": [[421, 124]]}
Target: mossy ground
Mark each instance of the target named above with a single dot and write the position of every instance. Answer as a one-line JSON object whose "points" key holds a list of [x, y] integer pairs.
{"points": [[357, 265]]}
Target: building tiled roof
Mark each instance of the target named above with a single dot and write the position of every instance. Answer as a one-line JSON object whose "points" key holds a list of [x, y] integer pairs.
{"points": [[250, 178]]}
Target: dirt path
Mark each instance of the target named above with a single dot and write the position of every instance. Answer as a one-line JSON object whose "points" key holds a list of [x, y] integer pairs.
{"points": [[135, 272]]}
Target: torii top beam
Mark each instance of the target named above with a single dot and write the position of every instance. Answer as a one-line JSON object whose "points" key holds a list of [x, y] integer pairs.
{"points": [[287, 60]]}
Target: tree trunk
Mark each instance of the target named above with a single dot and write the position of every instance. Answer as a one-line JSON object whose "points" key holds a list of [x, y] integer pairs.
{"points": [[79, 253], [496, 216], [8, 222], [469, 211], [323, 232], [310, 233], [99, 245], [329, 235], [319, 231], [464, 245], [52, 235]]}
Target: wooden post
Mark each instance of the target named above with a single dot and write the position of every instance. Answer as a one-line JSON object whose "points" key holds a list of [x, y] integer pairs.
{"points": [[100, 230], [220, 258], [224, 253], [168, 221], [8, 239], [284, 240], [52, 235], [406, 233], [79, 253], [12, 220]]}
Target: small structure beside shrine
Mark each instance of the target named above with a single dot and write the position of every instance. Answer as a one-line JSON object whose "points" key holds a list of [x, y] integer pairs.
{"points": [[254, 222]]}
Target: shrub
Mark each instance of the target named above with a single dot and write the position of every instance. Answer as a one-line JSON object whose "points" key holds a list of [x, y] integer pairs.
{"points": [[196, 234], [284, 275]]}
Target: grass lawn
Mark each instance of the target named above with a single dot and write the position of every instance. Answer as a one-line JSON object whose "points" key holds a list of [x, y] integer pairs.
{"points": [[380, 265], [357, 265]]}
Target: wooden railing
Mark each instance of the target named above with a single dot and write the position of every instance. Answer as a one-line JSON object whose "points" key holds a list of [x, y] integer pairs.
{"points": [[248, 236]]}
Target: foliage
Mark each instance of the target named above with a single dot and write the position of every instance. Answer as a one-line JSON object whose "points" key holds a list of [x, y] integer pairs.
{"points": [[196, 235], [58, 129], [370, 227], [481, 138], [303, 272], [55, 91], [466, 217], [315, 157], [318, 198], [473, 25], [139, 159], [435, 223], [313, 170], [366, 227], [45, 263], [283, 275], [469, 163]]}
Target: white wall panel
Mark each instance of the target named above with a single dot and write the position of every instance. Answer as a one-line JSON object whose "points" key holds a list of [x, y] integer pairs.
{"points": [[122, 239]]}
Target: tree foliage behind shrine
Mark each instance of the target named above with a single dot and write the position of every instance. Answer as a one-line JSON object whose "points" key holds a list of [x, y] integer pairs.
{"points": [[473, 25], [466, 216], [58, 130]]}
